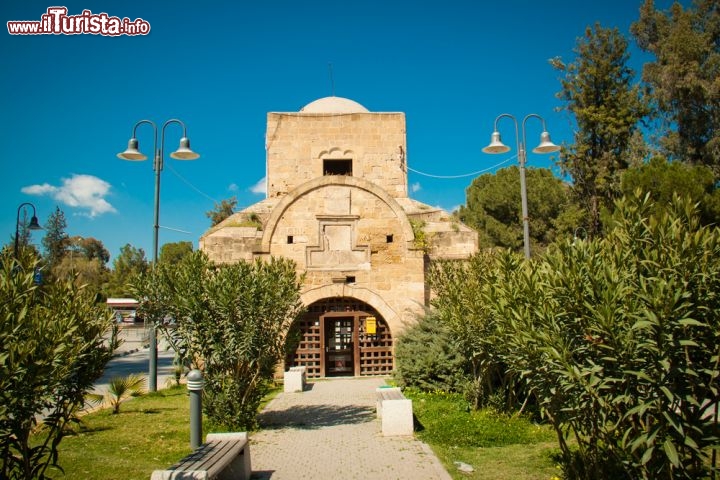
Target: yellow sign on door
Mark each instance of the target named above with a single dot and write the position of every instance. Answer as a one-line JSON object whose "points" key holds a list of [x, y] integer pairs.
{"points": [[371, 326]]}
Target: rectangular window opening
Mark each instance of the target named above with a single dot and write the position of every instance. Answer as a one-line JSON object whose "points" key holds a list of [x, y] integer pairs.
{"points": [[290, 239], [337, 167], [389, 238], [350, 279]]}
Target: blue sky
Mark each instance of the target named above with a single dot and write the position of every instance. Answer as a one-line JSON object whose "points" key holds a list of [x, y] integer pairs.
{"points": [[68, 102]]}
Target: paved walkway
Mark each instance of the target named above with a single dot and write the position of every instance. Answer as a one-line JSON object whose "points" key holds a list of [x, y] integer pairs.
{"points": [[136, 362], [330, 431]]}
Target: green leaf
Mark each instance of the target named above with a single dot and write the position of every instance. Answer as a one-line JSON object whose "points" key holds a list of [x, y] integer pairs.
{"points": [[668, 393], [647, 455], [671, 452], [691, 322]]}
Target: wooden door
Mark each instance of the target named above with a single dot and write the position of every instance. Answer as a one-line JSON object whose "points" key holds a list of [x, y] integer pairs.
{"points": [[339, 345]]}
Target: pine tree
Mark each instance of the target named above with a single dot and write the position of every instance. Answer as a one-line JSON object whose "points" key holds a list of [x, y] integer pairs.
{"points": [[684, 78], [599, 92], [494, 207], [56, 240]]}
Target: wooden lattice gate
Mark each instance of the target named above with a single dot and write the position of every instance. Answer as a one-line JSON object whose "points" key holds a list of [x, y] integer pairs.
{"points": [[332, 339]]}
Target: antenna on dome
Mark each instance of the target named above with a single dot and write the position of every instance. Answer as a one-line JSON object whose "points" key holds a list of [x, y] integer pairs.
{"points": [[332, 79]]}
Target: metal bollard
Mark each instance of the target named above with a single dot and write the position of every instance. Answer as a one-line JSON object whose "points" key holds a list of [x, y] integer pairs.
{"points": [[195, 386]]}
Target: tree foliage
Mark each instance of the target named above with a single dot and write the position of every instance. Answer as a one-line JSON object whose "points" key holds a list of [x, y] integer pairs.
{"points": [[175, 251], [52, 350], [222, 210], [662, 180], [84, 263], [684, 78], [55, 242], [599, 93], [228, 320], [82, 271], [127, 266], [89, 248], [494, 207], [615, 338]]}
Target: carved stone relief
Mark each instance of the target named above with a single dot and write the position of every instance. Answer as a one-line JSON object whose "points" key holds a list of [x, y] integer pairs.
{"points": [[338, 249]]}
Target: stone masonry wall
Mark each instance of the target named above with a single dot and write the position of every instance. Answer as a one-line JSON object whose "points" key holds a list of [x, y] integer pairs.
{"points": [[297, 144], [338, 231]]}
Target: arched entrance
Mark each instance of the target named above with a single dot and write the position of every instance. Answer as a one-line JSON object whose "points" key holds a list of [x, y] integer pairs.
{"points": [[335, 338]]}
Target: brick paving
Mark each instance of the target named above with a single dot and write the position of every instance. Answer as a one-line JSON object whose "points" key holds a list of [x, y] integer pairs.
{"points": [[330, 431]]}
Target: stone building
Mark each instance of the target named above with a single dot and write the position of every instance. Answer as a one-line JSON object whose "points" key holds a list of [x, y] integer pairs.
{"points": [[337, 204]]}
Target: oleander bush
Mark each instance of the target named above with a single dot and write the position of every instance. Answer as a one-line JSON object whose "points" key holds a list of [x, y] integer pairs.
{"points": [[53, 348], [475, 329], [619, 340], [616, 340], [229, 321]]}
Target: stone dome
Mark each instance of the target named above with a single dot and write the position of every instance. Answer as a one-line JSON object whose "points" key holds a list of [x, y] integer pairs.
{"points": [[334, 105]]}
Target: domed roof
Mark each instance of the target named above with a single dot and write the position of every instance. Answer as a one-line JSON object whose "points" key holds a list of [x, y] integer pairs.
{"points": [[334, 105]]}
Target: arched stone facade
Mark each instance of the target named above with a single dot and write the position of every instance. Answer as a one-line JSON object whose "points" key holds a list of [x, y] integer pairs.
{"points": [[303, 190], [337, 205], [341, 336]]}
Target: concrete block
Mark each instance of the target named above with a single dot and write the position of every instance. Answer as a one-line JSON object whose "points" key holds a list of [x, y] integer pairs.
{"points": [[294, 380], [397, 417]]}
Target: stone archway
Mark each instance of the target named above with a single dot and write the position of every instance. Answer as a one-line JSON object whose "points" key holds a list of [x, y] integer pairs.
{"points": [[333, 339]]}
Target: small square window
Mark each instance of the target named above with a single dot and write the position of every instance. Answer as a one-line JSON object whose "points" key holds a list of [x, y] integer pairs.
{"points": [[337, 167], [389, 238], [350, 279], [290, 239]]}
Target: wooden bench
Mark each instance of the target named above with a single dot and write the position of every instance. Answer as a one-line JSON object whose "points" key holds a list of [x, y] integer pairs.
{"points": [[294, 379], [224, 456], [394, 411]]}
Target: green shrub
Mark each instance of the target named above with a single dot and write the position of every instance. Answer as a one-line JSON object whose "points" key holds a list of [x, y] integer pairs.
{"points": [[427, 357], [52, 350], [230, 322], [619, 339], [474, 328]]}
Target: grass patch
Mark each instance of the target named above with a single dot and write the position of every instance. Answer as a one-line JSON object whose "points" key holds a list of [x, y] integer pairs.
{"points": [[151, 432], [497, 446]]}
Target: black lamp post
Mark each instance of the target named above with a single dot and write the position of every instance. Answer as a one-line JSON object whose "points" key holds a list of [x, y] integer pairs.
{"points": [[34, 225]]}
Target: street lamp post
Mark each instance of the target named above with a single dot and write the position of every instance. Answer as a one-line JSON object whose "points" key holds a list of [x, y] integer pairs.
{"points": [[133, 154], [545, 146], [34, 225]]}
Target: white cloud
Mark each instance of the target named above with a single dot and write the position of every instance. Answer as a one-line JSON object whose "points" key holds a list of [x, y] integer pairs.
{"points": [[81, 191], [415, 187], [43, 189], [452, 209], [260, 187], [233, 187]]}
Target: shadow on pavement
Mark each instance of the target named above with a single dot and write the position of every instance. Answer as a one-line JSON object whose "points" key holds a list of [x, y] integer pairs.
{"points": [[262, 475], [310, 417]]}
